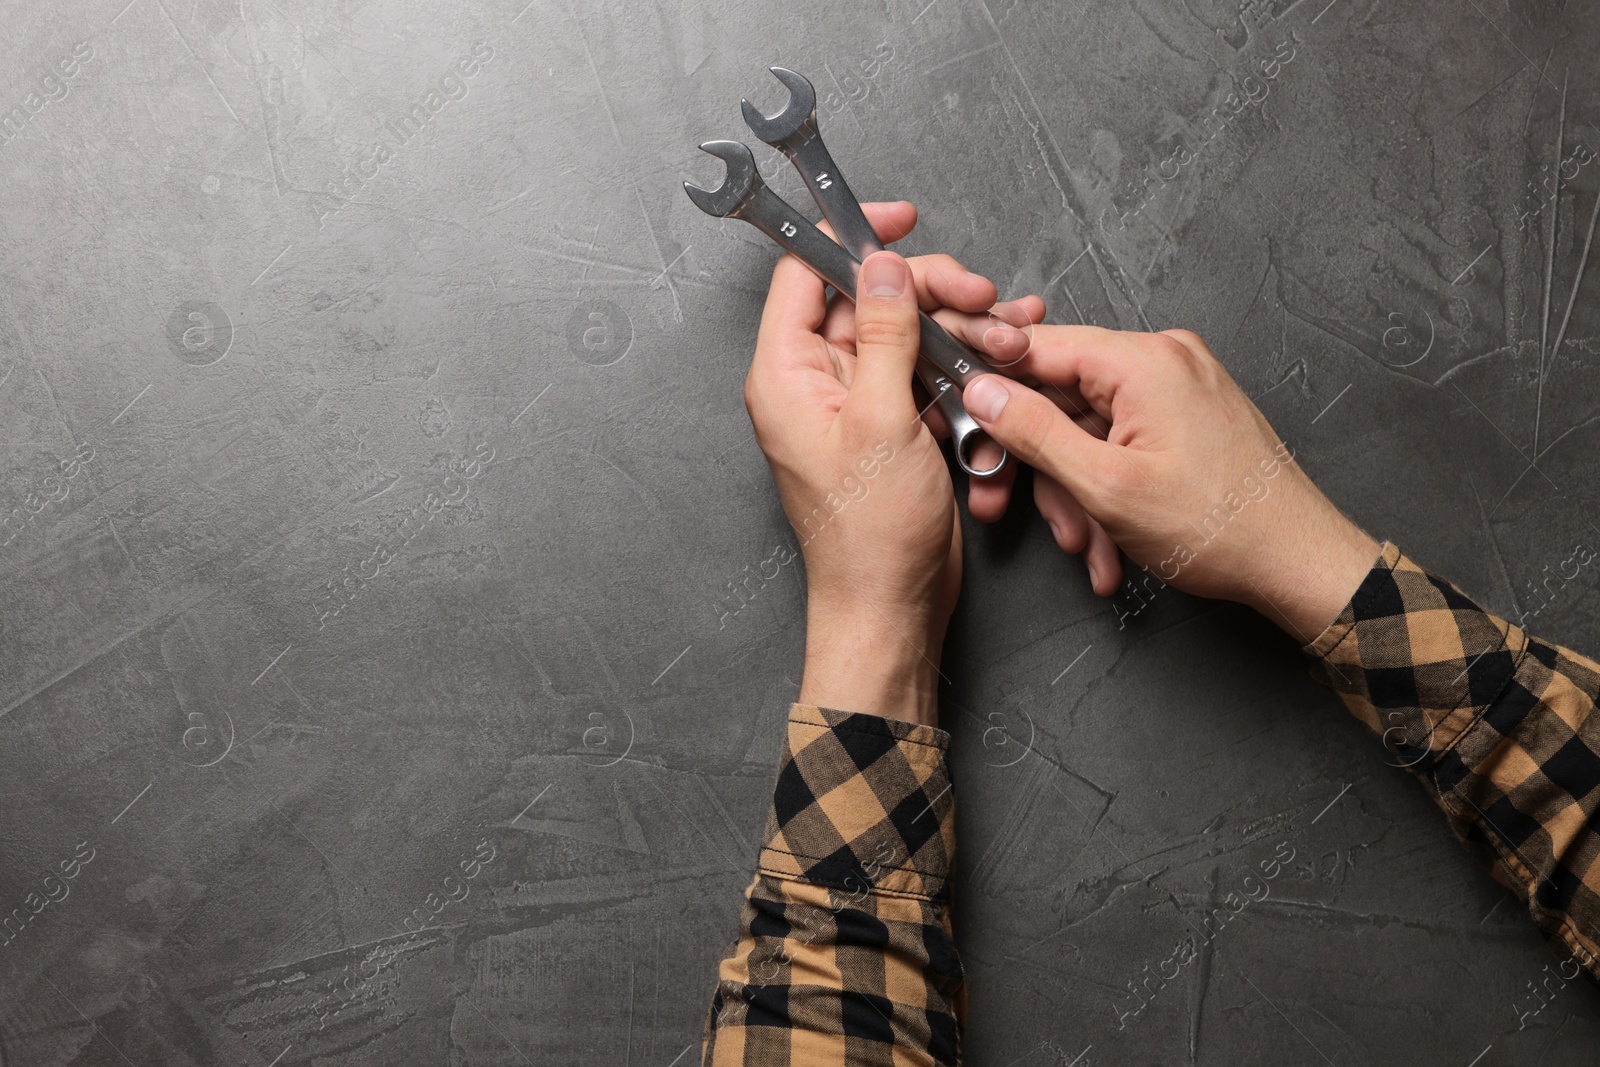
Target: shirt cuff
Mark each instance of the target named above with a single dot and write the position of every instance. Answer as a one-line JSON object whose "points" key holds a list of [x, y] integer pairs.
{"points": [[863, 803], [1415, 658]]}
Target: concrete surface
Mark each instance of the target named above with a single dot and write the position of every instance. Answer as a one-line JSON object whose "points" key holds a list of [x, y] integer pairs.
{"points": [[379, 486]]}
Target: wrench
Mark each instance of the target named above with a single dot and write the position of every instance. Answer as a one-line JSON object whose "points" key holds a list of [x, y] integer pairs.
{"points": [[794, 132], [743, 195]]}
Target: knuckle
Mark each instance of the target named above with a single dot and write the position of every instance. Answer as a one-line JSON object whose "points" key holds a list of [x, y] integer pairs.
{"points": [[1171, 347], [1188, 339], [889, 331], [752, 393], [1115, 476]]}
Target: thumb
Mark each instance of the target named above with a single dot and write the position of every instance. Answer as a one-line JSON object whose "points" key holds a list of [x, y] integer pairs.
{"points": [[887, 336], [1038, 433]]}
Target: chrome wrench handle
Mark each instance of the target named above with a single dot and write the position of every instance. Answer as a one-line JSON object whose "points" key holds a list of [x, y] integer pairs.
{"points": [[794, 132], [770, 214]]}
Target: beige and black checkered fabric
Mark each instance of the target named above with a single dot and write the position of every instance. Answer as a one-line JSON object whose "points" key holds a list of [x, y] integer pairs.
{"points": [[846, 954], [1499, 726]]}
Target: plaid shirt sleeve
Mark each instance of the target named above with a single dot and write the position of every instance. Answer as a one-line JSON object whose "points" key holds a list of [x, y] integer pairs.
{"points": [[1499, 726], [845, 953]]}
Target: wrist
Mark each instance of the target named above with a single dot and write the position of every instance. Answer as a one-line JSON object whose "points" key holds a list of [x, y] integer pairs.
{"points": [[872, 660], [1309, 591]]}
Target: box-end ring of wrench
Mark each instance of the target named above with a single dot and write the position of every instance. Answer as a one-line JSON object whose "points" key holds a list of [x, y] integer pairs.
{"points": [[794, 132]]}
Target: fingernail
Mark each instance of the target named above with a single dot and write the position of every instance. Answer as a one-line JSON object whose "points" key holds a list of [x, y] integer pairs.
{"points": [[986, 397], [1094, 579], [883, 276]]}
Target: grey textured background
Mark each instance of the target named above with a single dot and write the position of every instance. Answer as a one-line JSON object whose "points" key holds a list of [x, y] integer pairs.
{"points": [[282, 705]]}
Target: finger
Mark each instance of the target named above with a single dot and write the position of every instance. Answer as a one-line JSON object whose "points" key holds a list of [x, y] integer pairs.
{"points": [[1035, 431], [987, 498], [1068, 522], [794, 299], [1072, 402], [1000, 342], [838, 329], [785, 342], [886, 338], [839, 324], [1097, 361], [891, 219], [1103, 561], [1025, 311], [943, 282]]}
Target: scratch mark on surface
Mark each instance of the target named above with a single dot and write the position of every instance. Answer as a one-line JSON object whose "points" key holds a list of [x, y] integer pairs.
{"points": [[677, 305], [1331, 803], [490, 1021], [131, 803], [961, 58], [532, 402], [1062, 273], [1494, 544], [74, 669], [543, 677], [274, 263], [1533, 97], [1017, 70], [314, 847], [201, 65], [1572, 298], [132, 402], [92, 1024], [1073, 664], [1549, 266], [257, 60], [1508, 440], [1495, 26], [273, 664], [628, 1058], [1286, 1019], [531, 803], [1332, 402], [698, 828], [1474, 263], [845, 97], [669, 266], [124, 11], [280, 1056], [673, 664], [588, 255]]}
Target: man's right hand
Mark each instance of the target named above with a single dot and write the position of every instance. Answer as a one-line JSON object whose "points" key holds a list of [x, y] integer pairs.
{"points": [[1143, 442]]}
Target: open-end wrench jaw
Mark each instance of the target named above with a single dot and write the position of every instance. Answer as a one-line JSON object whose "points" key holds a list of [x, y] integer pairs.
{"points": [[739, 186], [799, 113]]}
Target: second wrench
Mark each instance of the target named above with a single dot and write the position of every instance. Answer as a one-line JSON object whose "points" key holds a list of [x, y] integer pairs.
{"points": [[795, 133]]}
